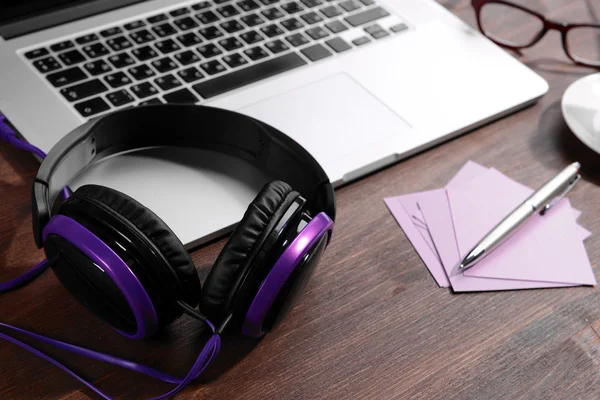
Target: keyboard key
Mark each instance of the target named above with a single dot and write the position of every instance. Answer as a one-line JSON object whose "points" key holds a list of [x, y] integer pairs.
{"points": [[271, 30], [331, 11], [398, 28], [167, 46], [110, 32], [179, 12], [336, 26], [153, 101], [361, 40], [83, 90], [368, 2], [311, 18], [231, 43], [256, 53], [248, 5], [66, 76], [134, 25], [252, 20], [144, 53], [157, 18], [292, 7], [97, 67], [167, 82], [251, 37], [276, 46], [46, 64], [71, 57], [272, 13], [186, 57], [164, 64], [227, 11], [90, 107], [245, 76], [186, 23], [268, 2], [291, 24], [95, 50], [349, 5], [212, 67], [120, 97], [200, 6], [85, 39], [376, 31], [164, 29], [142, 36], [207, 17], [182, 96], [232, 26], [119, 43], [144, 90], [211, 32], [311, 3], [67, 44], [209, 50], [30, 55], [140, 72], [366, 16], [189, 39], [235, 60], [317, 33], [338, 44], [190, 75], [117, 79], [296, 39], [121, 60], [316, 52]]}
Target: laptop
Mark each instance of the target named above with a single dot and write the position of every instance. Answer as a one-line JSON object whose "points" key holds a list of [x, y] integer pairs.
{"points": [[361, 84]]}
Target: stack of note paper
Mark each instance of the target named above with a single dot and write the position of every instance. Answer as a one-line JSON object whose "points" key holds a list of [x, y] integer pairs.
{"points": [[444, 224]]}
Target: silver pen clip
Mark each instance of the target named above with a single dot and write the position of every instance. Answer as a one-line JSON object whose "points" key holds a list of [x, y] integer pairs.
{"points": [[561, 195]]}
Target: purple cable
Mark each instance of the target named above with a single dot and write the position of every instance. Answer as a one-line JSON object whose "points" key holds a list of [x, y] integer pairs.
{"points": [[25, 278], [206, 356], [9, 136]]}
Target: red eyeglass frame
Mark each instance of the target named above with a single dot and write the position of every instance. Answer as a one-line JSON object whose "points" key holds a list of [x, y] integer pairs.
{"points": [[548, 24]]}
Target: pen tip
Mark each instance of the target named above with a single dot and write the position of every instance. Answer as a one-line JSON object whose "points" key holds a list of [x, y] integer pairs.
{"points": [[461, 266]]}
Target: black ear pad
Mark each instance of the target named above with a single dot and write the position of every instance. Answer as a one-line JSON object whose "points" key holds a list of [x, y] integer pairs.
{"points": [[246, 240], [178, 272]]}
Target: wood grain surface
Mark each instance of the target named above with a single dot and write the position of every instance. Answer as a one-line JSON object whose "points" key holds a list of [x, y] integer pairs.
{"points": [[373, 323]]}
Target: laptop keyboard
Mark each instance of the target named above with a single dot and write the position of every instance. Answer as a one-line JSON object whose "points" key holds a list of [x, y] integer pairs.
{"points": [[205, 49]]}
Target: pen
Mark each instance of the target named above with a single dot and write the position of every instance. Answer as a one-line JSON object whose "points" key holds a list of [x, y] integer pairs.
{"points": [[540, 201]]}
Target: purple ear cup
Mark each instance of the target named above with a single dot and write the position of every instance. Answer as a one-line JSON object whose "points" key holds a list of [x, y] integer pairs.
{"points": [[291, 270], [105, 263]]}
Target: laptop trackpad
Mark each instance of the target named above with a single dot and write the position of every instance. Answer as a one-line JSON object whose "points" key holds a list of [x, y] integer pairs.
{"points": [[336, 119]]}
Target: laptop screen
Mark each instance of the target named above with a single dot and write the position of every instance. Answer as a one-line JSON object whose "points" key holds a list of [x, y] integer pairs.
{"points": [[19, 17]]}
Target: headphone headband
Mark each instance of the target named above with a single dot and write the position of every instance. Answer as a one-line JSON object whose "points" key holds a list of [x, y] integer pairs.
{"points": [[221, 130]]}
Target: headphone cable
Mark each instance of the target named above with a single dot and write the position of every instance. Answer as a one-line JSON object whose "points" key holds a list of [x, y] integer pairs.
{"points": [[204, 359]]}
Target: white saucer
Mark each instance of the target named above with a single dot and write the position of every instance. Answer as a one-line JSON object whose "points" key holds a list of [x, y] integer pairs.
{"points": [[581, 109]]}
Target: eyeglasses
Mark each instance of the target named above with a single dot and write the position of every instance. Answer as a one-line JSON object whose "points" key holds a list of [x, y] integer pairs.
{"points": [[581, 42]]}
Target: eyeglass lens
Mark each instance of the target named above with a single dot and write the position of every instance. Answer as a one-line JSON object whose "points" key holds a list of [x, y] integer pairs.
{"points": [[495, 17]]}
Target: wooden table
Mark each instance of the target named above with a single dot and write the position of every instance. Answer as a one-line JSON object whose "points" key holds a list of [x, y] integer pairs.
{"points": [[373, 323]]}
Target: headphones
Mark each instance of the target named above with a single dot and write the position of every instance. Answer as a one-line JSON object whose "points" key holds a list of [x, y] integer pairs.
{"points": [[124, 264]]}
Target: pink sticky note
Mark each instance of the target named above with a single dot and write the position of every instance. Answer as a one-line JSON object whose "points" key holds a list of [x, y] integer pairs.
{"points": [[437, 215], [402, 207], [467, 172], [427, 238], [547, 248]]}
